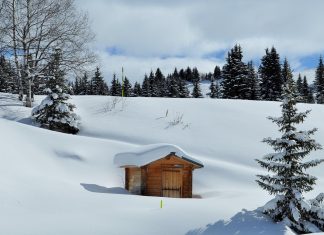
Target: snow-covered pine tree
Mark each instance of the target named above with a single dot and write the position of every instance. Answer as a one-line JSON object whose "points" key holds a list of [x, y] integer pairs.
{"points": [[289, 179], [183, 89], [173, 85], [160, 88], [114, 88], [235, 75], [128, 91], [217, 73], [196, 92], [299, 87], [319, 82], [84, 85], [137, 91], [307, 92], [146, 87], [254, 84], [213, 91], [99, 86], [55, 112], [270, 75]]}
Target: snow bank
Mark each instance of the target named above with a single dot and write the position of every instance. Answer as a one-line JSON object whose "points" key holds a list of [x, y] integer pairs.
{"points": [[52, 183]]}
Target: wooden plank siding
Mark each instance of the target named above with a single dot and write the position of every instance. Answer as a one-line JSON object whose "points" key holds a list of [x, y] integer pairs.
{"points": [[170, 176]]}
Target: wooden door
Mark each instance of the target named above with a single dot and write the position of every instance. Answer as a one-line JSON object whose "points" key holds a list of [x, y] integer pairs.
{"points": [[171, 183]]}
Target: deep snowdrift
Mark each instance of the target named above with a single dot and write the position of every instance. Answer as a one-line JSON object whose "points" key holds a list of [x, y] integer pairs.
{"points": [[52, 183]]}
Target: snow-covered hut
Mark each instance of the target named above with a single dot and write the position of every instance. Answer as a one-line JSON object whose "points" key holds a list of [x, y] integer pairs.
{"points": [[158, 170]]}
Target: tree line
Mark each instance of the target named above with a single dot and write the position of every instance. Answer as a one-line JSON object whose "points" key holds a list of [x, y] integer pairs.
{"points": [[235, 80]]}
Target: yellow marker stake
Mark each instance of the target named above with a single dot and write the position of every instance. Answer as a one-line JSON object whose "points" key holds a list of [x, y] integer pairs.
{"points": [[161, 204]]}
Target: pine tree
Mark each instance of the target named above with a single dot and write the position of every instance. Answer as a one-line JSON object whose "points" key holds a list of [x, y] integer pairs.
{"points": [[286, 75], [217, 73], [160, 89], [84, 85], [270, 75], [253, 83], [300, 90], [307, 92], [173, 84], [146, 87], [55, 112], [128, 91], [99, 86], [188, 75], [195, 75], [213, 91], [115, 89], [137, 91], [289, 179], [235, 84], [319, 82], [196, 92], [183, 89]]}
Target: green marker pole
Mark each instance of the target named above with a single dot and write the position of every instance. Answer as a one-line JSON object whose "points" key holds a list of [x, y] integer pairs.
{"points": [[161, 204], [122, 81]]}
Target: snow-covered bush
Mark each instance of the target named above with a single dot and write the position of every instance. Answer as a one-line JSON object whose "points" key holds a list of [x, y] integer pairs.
{"points": [[289, 179], [55, 113]]}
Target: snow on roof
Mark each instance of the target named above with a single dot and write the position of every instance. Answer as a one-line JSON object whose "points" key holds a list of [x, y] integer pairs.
{"points": [[149, 153]]}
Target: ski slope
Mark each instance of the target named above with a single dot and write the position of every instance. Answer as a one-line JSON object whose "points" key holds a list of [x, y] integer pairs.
{"points": [[53, 183]]}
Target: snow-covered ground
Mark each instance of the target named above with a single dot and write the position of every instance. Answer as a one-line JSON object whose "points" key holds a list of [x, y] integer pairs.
{"points": [[53, 183]]}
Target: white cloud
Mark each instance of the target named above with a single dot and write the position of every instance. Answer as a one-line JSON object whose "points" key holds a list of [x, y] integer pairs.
{"points": [[146, 30]]}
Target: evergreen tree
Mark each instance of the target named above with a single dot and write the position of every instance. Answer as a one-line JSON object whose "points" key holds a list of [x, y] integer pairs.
{"points": [[99, 86], [84, 85], [160, 89], [213, 91], [76, 86], [188, 75], [137, 91], [146, 87], [307, 92], [289, 179], [116, 87], [183, 89], [7, 83], [154, 90], [196, 92], [173, 87], [270, 75], [300, 90], [235, 84], [173, 84], [55, 71], [55, 112], [195, 75], [253, 81], [319, 82], [128, 92], [217, 73]]}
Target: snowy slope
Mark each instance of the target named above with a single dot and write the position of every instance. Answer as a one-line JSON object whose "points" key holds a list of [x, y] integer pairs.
{"points": [[52, 183]]}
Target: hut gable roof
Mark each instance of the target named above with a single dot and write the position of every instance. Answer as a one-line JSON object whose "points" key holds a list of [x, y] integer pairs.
{"points": [[144, 155]]}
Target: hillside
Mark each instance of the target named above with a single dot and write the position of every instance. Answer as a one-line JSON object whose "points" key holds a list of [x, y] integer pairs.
{"points": [[53, 183]]}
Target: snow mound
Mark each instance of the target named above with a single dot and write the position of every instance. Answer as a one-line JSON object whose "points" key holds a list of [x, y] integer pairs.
{"points": [[149, 153], [245, 223]]}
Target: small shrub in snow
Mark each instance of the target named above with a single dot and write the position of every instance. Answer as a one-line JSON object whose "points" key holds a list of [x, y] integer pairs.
{"points": [[55, 113], [113, 104], [289, 179]]}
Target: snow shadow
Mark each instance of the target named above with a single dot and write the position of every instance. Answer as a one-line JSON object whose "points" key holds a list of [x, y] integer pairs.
{"points": [[243, 223], [70, 156], [94, 188]]}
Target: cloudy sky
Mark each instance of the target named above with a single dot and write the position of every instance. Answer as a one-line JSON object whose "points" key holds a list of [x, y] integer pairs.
{"points": [[145, 34]]}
